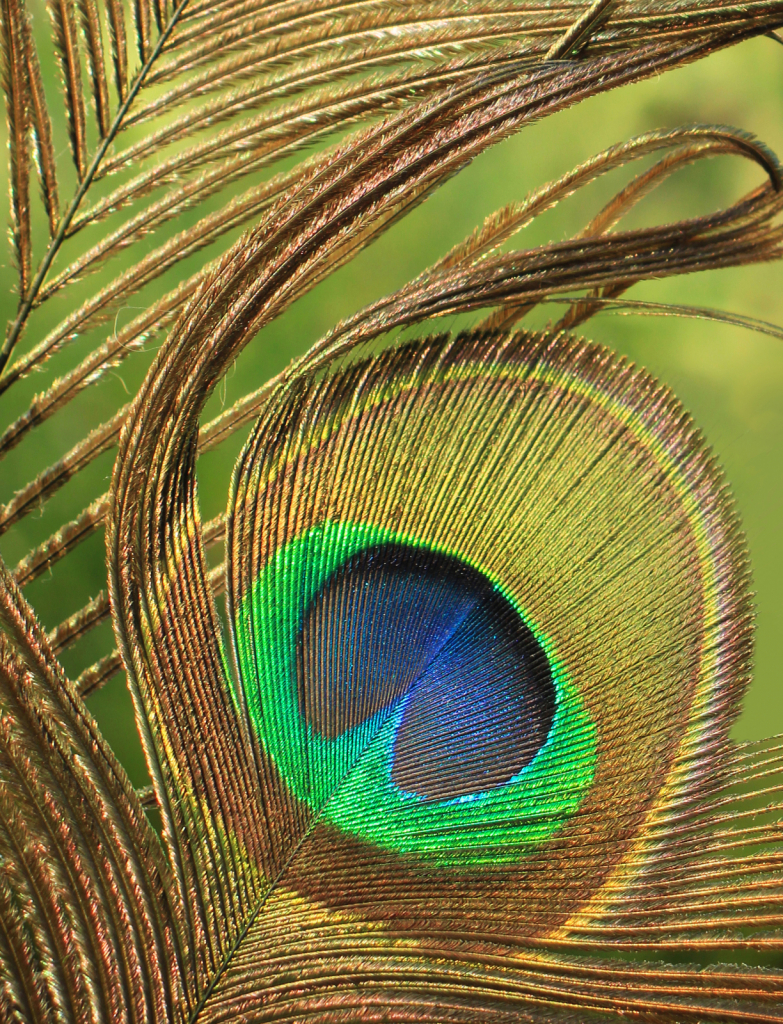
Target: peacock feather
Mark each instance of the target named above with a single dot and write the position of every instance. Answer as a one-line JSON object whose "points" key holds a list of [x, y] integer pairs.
{"points": [[437, 715]]}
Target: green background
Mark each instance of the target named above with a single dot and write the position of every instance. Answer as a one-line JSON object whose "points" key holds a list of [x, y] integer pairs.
{"points": [[729, 378]]}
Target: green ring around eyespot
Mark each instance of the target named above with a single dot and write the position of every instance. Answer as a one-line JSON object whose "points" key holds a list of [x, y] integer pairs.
{"points": [[497, 826]]}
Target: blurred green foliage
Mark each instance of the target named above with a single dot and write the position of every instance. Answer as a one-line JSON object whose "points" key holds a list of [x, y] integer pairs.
{"points": [[730, 379]]}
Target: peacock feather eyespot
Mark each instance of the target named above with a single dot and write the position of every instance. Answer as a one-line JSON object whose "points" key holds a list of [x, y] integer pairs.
{"points": [[490, 596], [412, 701], [487, 595]]}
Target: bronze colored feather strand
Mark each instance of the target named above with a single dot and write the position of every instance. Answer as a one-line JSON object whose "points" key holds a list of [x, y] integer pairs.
{"points": [[56, 476], [740, 22], [143, 14], [71, 534], [80, 623], [66, 39], [42, 129], [119, 46], [83, 890], [95, 63], [16, 87], [582, 30]]}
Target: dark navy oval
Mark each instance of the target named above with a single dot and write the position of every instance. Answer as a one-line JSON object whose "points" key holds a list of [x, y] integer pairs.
{"points": [[398, 623]]}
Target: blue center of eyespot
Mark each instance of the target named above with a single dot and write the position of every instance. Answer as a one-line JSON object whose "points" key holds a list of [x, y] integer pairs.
{"points": [[420, 629]]}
